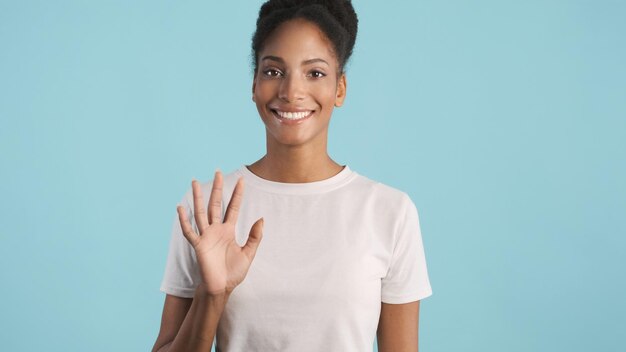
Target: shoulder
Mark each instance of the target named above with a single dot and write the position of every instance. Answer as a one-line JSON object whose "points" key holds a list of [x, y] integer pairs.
{"points": [[381, 193], [379, 189]]}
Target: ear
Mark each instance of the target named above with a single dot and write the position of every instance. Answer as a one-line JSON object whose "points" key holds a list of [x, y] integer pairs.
{"points": [[253, 86], [342, 85]]}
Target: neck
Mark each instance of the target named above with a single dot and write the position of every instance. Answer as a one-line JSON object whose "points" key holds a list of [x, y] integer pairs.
{"points": [[295, 164]]}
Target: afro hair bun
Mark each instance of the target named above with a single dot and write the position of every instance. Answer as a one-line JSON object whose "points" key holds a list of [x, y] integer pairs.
{"points": [[336, 18]]}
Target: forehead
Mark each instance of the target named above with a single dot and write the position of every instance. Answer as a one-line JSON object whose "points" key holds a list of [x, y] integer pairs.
{"points": [[298, 40]]}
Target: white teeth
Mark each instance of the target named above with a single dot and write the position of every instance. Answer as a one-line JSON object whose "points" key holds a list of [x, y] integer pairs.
{"points": [[293, 115]]}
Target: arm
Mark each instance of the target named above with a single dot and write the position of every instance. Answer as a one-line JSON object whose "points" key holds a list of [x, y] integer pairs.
{"points": [[398, 327], [174, 312], [190, 325], [198, 327]]}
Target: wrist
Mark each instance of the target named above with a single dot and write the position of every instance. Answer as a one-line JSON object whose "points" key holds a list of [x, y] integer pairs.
{"points": [[203, 290]]}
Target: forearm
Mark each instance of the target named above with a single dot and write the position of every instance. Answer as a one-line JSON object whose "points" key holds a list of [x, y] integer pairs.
{"points": [[198, 329]]}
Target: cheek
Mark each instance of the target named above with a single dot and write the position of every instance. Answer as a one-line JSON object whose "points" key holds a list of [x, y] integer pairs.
{"points": [[259, 89], [326, 94], [264, 85], [262, 95]]}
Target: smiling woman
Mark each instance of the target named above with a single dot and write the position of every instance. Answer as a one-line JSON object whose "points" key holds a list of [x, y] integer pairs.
{"points": [[297, 85], [317, 257]]}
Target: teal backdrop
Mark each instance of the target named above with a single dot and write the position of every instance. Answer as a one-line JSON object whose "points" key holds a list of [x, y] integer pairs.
{"points": [[505, 121]]}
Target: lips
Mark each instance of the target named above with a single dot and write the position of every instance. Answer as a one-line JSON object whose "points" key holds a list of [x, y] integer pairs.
{"points": [[293, 116]]}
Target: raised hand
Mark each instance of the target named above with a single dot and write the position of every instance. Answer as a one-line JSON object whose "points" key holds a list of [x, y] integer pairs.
{"points": [[223, 264]]}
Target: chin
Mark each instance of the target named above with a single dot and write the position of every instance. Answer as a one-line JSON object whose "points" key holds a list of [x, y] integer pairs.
{"points": [[291, 142]]}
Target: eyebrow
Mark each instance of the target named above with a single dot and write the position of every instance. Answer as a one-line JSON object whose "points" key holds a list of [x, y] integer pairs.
{"points": [[305, 62]]}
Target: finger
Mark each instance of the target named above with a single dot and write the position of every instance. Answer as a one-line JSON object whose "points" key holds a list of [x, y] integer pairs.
{"points": [[185, 226], [198, 206], [232, 212], [254, 239], [215, 199]]}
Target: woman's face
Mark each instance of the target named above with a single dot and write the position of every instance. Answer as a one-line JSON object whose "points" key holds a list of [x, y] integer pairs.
{"points": [[296, 85]]}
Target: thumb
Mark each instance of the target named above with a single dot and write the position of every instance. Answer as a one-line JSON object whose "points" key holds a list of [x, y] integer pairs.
{"points": [[256, 234]]}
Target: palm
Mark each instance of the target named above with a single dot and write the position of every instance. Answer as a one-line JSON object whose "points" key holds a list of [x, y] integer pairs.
{"points": [[223, 264]]}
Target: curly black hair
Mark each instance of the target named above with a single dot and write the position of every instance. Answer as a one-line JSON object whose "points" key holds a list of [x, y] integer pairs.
{"points": [[335, 18]]}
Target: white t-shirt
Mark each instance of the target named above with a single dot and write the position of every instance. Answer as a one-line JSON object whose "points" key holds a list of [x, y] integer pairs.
{"points": [[331, 252]]}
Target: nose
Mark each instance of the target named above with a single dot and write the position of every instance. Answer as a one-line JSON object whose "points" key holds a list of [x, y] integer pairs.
{"points": [[292, 89]]}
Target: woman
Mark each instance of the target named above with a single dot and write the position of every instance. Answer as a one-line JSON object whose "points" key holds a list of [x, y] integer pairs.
{"points": [[331, 258]]}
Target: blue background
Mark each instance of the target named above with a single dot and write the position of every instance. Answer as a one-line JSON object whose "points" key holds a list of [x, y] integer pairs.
{"points": [[505, 121]]}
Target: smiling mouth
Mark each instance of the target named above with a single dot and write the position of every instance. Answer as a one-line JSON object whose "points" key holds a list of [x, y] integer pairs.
{"points": [[289, 115]]}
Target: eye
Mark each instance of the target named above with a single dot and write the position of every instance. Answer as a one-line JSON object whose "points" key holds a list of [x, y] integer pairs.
{"points": [[317, 74], [272, 72]]}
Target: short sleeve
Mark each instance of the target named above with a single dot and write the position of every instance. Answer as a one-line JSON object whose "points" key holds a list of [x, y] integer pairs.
{"points": [[407, 278], [181, 275]]}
